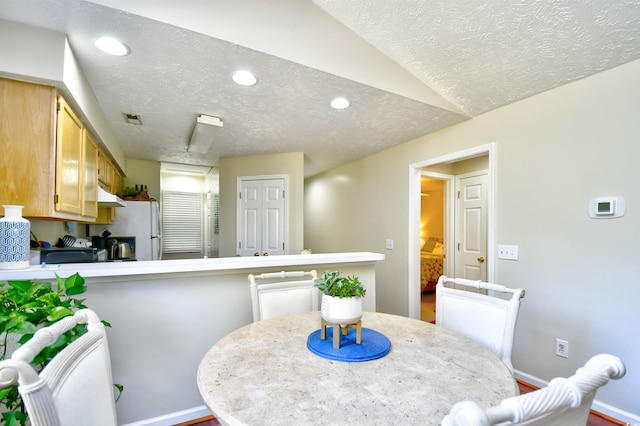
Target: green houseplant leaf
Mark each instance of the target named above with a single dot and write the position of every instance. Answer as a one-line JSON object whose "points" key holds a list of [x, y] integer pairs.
{"points": [[332, 283], [26, 306]]}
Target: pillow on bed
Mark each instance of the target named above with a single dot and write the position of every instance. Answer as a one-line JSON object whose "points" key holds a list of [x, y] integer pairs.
{"points": [[438, 248], [429, 246]]}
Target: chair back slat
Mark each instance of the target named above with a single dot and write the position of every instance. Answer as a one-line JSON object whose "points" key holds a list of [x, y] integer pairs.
{"points": [[487, 316], [566, 401], [282, 295]]}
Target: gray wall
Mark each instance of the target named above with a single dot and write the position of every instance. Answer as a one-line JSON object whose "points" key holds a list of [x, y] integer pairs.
{"points": [[291, 164], [163, 324], [554, 152]]}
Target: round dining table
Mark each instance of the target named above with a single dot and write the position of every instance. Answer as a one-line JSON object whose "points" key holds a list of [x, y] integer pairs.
{"points": [[264, 374]]}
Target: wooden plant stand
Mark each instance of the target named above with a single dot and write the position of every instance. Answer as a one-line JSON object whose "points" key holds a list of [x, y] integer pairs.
{"points": [[336, 331]]}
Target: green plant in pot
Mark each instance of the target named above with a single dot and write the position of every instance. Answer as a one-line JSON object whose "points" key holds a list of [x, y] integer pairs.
{"points": [[341, 297], [25, 307]]}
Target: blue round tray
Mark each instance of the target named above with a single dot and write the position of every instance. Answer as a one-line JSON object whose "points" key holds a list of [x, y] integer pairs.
{"points": [[374, 345]]}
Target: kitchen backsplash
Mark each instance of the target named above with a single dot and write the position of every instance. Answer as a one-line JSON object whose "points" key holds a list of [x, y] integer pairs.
{"points": [[51, 230]]}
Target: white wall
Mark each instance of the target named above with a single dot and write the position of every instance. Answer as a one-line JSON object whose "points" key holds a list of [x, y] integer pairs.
{"points": [[554, 152]]}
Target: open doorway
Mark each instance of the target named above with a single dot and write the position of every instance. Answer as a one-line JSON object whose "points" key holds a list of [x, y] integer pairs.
{"points": [[432, 197], [456, 173]]}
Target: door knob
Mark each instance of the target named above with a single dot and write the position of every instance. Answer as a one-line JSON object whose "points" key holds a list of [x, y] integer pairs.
{"points": [[256, 254], [481, 259], [265, 254]]}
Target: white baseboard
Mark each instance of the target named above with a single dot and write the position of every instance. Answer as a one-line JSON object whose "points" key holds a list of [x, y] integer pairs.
{"points": [[600, 407], [174, 418]]}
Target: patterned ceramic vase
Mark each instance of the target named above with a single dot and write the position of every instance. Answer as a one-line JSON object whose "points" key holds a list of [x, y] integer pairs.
{"points": [[14, 239]]}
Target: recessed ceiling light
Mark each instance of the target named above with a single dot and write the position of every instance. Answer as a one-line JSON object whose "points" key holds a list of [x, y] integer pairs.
{"points": [[112, 46], [244, 78], [340, 103]]}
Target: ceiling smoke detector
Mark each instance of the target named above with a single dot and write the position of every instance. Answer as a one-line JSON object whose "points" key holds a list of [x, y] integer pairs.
{"points": [[132, 118]]}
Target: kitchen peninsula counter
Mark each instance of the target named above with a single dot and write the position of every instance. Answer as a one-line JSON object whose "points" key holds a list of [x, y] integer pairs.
{"points": [[165, 314], [181, 266]]}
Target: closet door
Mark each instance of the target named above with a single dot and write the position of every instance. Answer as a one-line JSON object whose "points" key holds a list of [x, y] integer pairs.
{"points": [[261, 217]]}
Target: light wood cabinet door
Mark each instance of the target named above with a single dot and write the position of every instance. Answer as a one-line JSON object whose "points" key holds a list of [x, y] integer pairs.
{"points": [[68, 161], [90, 175], [27, 151], [118, 182], [105, 170]]}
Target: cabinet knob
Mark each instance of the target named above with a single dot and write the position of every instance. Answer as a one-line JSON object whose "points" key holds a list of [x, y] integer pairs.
{"points": [[256, 254], [265, 254]]}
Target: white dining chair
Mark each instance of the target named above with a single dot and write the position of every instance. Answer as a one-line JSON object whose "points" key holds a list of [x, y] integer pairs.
{"points": [[564, 402], [487, 316], [283, 293], [75, 388]]}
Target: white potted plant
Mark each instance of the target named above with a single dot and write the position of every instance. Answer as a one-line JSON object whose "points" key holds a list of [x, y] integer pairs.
{"points": [[341, 297]]}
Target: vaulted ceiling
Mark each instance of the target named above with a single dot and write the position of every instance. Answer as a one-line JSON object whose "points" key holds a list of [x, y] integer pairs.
{"points": [[409, 68]]}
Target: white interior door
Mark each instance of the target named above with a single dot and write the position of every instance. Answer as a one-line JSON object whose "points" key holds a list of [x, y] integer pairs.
{"points": [[261, 221], [273, 209], [471, 229]]}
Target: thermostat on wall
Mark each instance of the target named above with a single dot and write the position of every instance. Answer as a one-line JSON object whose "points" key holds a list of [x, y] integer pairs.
{"points": [[607, 207]]}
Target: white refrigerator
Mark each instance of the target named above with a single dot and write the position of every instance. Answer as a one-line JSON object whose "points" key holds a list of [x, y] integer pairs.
{"points": [[140, 219]]}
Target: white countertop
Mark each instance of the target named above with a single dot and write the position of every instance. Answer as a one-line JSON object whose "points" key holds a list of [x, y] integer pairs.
{"points": [[117, 269]]}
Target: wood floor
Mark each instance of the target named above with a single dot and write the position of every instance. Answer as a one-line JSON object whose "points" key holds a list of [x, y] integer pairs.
{"points": [[428, 306], [205, 421]]}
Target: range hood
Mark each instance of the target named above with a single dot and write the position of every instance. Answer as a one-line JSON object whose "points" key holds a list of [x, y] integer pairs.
{"points": [[106, 199]]}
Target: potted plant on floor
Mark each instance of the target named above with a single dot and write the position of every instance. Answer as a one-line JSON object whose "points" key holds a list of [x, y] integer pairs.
{"points": [[341, 297]]}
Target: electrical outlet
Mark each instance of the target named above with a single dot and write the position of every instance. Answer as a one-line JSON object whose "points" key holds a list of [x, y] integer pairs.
{"points": [[507, 252], [562, 348]]}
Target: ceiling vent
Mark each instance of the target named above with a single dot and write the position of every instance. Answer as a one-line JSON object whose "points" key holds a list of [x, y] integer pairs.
{"points": [[132, 118]]}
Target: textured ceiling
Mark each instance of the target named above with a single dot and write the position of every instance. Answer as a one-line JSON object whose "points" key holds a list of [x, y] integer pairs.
{"points": [[477, 55], [485, 54]]}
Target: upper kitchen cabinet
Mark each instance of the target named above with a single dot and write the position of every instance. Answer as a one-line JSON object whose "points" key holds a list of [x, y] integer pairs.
{"points": [[43, 164], [105, 170]]}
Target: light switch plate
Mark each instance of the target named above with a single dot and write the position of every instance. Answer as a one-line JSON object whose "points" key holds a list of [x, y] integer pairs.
{"points": [[389, 244], [508, 252]]}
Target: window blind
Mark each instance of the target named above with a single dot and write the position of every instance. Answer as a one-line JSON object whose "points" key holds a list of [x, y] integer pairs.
{"points": [[182, 227], [216, 214]]}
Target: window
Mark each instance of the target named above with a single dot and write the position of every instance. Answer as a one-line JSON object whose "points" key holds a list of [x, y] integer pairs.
{"points": [[182, 227]]}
